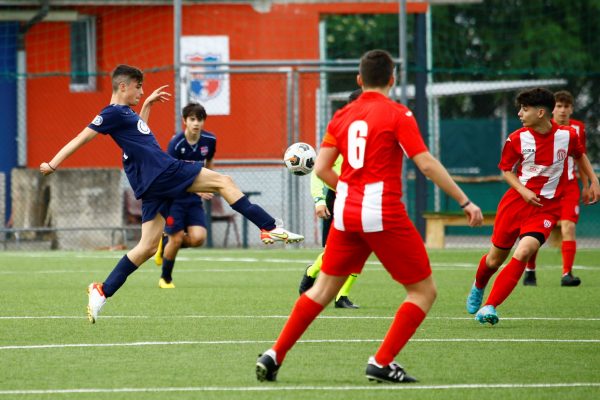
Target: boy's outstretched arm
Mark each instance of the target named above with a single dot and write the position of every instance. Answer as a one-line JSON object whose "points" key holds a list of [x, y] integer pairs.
{"points": [[87, 134], [157, 95]]}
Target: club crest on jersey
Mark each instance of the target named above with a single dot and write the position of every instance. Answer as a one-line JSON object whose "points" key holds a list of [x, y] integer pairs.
{"points": [[205, 82], [561, 154], [143, 127], [97, 120], [204, 150], [547, 224]]}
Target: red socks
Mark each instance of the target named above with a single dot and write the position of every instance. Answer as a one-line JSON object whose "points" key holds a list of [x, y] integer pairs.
{"points": [[483, 273], [569, 247], [408, 318], [303, 314], [505, 282]]}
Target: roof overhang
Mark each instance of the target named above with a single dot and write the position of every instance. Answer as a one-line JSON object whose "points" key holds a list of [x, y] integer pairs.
{"points": [[437, 90]]}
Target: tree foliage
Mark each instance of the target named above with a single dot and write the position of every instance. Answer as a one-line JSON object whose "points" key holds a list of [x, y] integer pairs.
{"points": [[493, 40]]}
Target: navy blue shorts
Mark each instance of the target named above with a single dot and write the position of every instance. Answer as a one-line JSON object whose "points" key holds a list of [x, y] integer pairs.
{"points": [[168, 186], [184, 212]]}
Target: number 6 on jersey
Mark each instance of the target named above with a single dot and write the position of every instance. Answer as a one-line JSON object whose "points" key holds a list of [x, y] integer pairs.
{"points": [[357, 143]]}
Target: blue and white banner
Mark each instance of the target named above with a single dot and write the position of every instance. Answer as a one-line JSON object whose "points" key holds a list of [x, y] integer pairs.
{"points": [[204, 84]]}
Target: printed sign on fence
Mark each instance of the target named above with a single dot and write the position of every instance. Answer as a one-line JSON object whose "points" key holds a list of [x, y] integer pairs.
{"points": [[205, 84]]}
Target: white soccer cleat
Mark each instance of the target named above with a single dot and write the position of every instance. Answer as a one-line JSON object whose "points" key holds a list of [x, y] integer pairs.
{"points": [[96, 300], [279, 234]]}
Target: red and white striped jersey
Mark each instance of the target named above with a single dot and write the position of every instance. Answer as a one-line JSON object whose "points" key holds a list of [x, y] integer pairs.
{"points": [[372, 133], [541, 159], [580, 129]]}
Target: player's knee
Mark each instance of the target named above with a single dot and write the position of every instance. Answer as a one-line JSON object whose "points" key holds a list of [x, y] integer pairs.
{"points": [[226, 181], [567, 228], [148, 249], [433, 293], [176, 240], [430, 293], [493, 262], [524, 253], [197, 241]]}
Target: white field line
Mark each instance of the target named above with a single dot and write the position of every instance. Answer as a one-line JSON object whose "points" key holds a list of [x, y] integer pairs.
{"points": [[186, 258], [437, 266], [272, 388], [358, 317], [240, 342]]}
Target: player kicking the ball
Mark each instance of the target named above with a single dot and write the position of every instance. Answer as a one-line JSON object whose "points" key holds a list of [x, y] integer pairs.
{"points": [[156, 178]]}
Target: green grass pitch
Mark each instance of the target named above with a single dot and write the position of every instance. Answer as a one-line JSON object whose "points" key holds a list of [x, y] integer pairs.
{"points": [[201, 340]]}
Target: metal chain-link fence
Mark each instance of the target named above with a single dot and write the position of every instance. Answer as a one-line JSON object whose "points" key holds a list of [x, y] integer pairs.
{"points": [[87, 203]]}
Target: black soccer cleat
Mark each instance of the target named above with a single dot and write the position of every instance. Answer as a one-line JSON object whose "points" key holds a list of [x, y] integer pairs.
{"points": [[344, 302], [570, 280], [306, 282], [529, 278], [266, 367], [393, 373]]}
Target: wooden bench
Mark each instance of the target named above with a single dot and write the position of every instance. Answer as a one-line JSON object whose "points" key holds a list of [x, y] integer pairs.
{"points": [[436, 223]]}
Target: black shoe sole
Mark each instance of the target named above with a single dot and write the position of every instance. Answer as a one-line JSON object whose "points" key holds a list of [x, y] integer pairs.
{"points": [[261, 372], [372, 378], [353, 307], [570, 284]]}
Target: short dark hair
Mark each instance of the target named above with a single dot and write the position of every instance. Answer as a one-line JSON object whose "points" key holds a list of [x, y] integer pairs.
{"points": [[563, 96], [537, 97], [126, 73], [376, 68], [354, 95], [194, 109]]}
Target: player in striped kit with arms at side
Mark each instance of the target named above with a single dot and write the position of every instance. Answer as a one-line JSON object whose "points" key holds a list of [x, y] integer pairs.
{"points": [[532, 205]]}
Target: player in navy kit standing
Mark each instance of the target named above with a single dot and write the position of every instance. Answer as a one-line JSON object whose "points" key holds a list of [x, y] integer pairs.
{"points": [[186, 221], [156, 178]]}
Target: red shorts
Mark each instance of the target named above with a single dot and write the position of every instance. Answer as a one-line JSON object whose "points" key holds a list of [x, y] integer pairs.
{"points": [[400, 250], [570, 202], [515, 218]]}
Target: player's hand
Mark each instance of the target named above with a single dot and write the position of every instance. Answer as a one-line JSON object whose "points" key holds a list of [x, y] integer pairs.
{"points": [[593, 195], [158, 95], [585, 195], [474, 215], [322, 212], [206, 196], [531, 198], [46, 169]]}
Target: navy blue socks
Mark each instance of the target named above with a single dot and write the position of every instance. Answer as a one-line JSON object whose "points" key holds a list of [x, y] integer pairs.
{"points": [[167, 270], [118, 276], [255, 213]]}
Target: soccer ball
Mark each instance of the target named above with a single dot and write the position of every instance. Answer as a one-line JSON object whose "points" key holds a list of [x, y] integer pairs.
{"points": [[300, 158]]}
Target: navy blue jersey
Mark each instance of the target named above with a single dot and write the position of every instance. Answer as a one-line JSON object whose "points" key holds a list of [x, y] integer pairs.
{"points": [[143, 159], [203, 150]]}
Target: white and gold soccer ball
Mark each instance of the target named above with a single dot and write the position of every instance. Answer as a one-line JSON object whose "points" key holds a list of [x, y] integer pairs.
{"points": [[300, 158]]}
